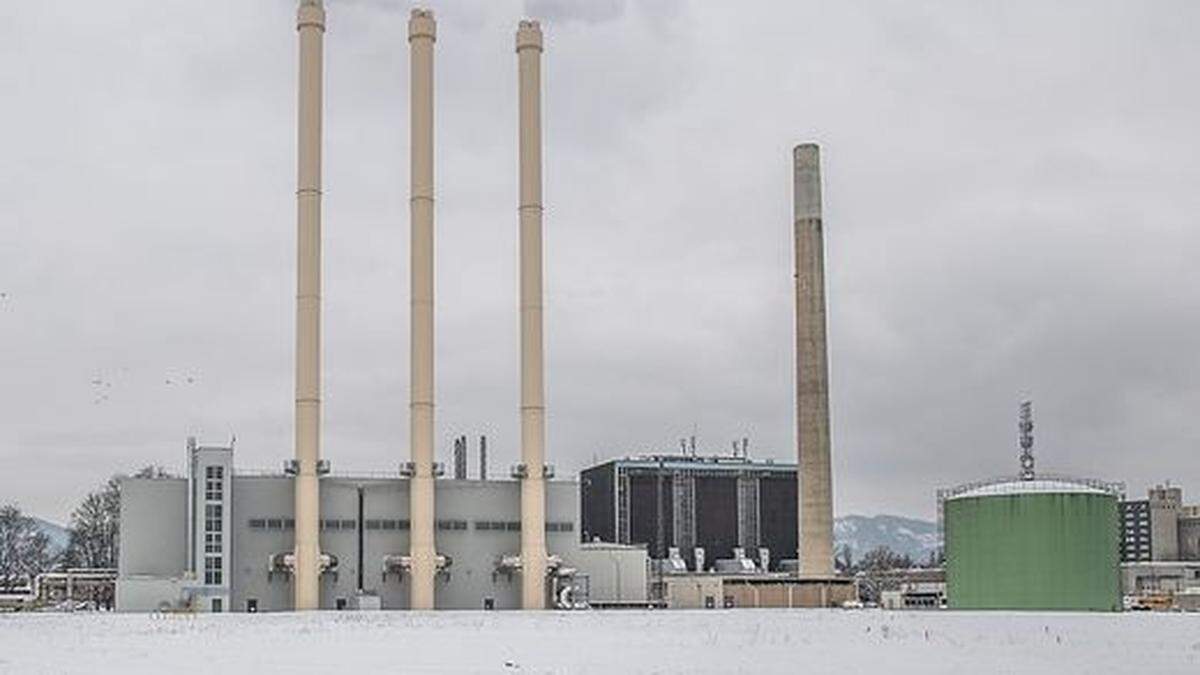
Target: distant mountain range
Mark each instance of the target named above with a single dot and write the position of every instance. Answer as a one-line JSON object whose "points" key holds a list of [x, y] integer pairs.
{"points": [[58, 535], [916, 538]]}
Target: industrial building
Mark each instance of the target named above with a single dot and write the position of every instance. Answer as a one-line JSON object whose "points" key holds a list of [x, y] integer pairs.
{"points": [[305, 538], [218, 540], [720, 530], [919, 588], [1160, 578], [704, 507], [1160, 551], [728, 590], [1160, 528]]}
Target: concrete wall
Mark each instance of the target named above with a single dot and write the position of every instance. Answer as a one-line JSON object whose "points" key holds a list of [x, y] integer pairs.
{"points": [[153, 527], [260, 498], [788, 592], [386, 501], [1159, 577], [151, 594], [1165, 504], [693, 592], [1189, 538], [616, 573]]}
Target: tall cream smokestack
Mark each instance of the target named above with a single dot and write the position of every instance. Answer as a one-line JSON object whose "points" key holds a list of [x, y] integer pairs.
{"points": [[812, 369], [533, 406], [422, 32], [310, 22]]}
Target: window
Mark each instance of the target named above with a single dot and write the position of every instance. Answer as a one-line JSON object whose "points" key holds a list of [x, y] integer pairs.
{"points": [[217, 605], [212, 570], [212, 517], [385, 524], [451, 524], [499, 525], [274, 523], [214, 483], [560, 527], [349, 524], [212, 542], [258, 523]]}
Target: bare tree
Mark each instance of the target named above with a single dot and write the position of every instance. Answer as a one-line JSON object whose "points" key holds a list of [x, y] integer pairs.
{"points": [[24, 548], [843, 559], [883, 558], [96, 523], [95, 528], [153, 471], [877, 572]]}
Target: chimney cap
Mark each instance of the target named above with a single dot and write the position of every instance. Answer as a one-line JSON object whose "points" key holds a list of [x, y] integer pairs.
{"points": [[421, 24], [529, 35]]}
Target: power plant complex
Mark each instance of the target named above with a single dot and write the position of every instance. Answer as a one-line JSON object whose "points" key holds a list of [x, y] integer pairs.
{"points": [[305, 538]]}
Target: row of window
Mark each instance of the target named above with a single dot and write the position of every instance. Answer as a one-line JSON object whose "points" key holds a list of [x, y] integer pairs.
{"points": [[515, 526], [272, 523], [214, 483], [213, 570], [213, 517], [394, 524]]}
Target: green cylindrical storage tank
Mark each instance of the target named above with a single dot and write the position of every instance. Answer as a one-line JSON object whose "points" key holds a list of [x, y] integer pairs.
{"points": [[1038, 545]]}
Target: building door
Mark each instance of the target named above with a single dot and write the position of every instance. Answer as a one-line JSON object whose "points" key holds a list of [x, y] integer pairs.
{"points": [[217, 606], [252, 605]]}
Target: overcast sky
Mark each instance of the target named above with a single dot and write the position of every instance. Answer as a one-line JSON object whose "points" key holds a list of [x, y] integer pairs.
{"points": [[1010, 205]]}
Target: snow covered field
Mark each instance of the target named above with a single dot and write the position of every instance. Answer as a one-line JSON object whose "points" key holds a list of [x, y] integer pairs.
{"points": [[733, 641]]}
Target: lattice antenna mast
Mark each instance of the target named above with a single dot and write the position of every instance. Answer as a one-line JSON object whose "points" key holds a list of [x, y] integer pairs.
{"points": [[1025, 429]]}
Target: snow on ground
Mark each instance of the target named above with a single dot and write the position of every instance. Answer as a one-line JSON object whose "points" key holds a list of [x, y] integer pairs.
{"points": [[724, 641]]}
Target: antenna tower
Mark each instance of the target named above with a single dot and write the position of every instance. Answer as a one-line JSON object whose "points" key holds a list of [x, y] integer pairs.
{"points": [[1025, 429]]}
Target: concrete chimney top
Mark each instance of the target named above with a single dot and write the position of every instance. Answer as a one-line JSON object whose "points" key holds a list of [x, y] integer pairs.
{"points": [[421, 24], [311, 13], [529, 35], [807, 160]]}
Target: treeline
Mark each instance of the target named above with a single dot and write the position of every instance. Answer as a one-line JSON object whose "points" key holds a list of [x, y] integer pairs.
{"points": [[95, 535]]}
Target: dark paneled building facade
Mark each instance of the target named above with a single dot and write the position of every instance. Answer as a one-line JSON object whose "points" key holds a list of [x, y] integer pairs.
{"points": [[685, 502]]}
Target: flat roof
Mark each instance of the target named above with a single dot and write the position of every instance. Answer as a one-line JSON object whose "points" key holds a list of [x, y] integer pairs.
{"points": [[699, 462]]}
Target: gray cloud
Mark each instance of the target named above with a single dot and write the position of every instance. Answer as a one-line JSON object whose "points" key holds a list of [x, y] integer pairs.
{"points": [[564, 11], [1010, 210]]}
